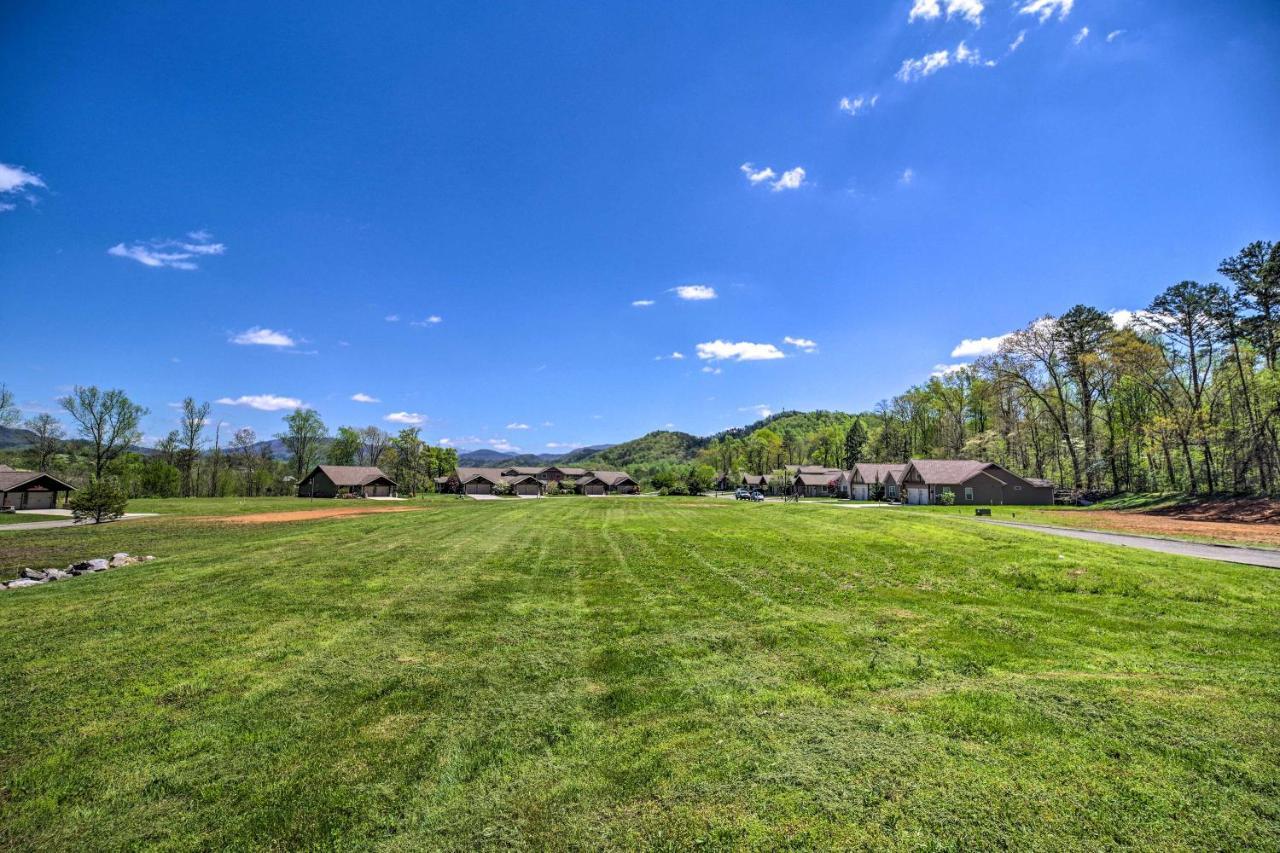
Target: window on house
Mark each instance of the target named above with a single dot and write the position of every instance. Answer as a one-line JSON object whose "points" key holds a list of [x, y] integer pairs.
{"points": [[968, 493]]}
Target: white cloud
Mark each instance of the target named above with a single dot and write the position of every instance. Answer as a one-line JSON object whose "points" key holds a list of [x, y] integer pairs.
{"points": [[801, 343], [719, 350], [756, 176], [695, 292], [517, 426], [15, 180], [430, 321], [1045, 9], [908, 175], [361, 397], [557, 445], [974, 347], [260, 336], [1123, 318], [1081, 36], [788, 180], [792, 179], [970, 10], [263, 402], [760, 409], [925, 9], [1017, 43], [1113, 35], [941, 370], [930, 63], [712, 370], [392, 318], [641, 303], [174, 254], [501, 444], [408, 418], [675, 356], [860, 104]]}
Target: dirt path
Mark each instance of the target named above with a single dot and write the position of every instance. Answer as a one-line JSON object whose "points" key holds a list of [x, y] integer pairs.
{"points": [[304, 514], [1260, 533]]}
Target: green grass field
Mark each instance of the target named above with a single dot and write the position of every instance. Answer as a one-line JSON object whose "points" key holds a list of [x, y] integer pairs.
{"points": [[28, 517], [584, 674]]}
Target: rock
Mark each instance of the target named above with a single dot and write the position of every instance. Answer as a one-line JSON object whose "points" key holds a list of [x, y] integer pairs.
{"points": [[21, 582], [148, 558], [98, 565], [34, 574], [121, 559], [57, 575]]}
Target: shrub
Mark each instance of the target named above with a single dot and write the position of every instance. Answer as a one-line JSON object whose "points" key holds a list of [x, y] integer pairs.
{"points": [[947, 498], [101, 500]]}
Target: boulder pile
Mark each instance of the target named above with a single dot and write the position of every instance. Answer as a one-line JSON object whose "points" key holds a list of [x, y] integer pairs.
{"points": [[35, 577]]}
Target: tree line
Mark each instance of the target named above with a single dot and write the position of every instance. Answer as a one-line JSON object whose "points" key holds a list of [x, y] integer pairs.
{"points": [[197, 460]]}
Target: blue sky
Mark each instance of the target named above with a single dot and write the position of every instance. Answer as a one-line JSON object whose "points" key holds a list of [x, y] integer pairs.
{"points": [[813, 206]]}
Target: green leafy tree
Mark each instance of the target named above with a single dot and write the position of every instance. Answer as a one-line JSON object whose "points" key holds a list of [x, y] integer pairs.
{"points": [[159, 479], [345, 447], [303, 437], [107, 420]]}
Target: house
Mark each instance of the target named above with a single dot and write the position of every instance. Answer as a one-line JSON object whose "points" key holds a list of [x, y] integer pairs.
{"points": [[754, 481], [331, 481], [971, 482], [31, 489], [724, 481], [816, 482], [866, 475], [549, 474], [597, 483], [486, 481]]}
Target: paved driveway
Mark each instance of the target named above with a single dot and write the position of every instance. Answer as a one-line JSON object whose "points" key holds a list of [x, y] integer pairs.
{"points": [[49, 525], [1224, 553]]}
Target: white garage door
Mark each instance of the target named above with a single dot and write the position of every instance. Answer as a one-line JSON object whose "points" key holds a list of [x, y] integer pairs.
{"points": [[917, 496], [860, 491]]}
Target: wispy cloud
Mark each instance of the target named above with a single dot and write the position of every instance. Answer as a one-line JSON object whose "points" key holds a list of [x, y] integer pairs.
{"points": [[361, 397], [1113, 35], [719, 350], [1080, 36], [941, 370], [561, 445], [1017, 43], [759, 408], [433, 320], [907, 177], [857, 106], [1045, 9], [755, 175], [715, 371], [516, 425], [924, 10], [15, 181], [789, 180], [502, 445], [802, 344], [392, 318], [974, 347], [929, 10], [263, 402], [675, 356], [174, 254], [641, 303], [263, 337], [695, 292], [406, 418]]}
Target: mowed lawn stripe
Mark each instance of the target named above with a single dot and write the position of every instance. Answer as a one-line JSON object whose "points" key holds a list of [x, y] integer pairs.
{"points": [[574, 673]]}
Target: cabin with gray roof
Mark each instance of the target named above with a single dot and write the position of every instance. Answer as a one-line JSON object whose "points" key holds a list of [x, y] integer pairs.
{"points": [[331, 481], [971, 482], [865, 476], [596, 483]]}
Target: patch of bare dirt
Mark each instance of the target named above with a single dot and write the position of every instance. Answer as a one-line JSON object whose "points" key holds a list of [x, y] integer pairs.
{"points": [[305, 514], [1148, 524], [1247, 510]]}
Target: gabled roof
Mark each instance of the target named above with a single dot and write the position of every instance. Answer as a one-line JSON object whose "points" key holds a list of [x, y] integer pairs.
{"points": [[952, 471], [877, 472], [1044, 484], [568, 472], [5, 469], [349, 475], [823, 479], [522, 470], [755, 479], [609, 478], [12, 481], [492, 475]]}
